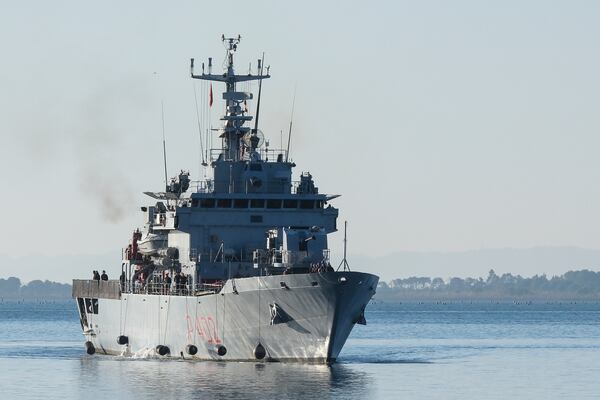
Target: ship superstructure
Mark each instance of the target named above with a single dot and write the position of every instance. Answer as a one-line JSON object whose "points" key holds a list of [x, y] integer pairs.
{"points": [[233, 267]]}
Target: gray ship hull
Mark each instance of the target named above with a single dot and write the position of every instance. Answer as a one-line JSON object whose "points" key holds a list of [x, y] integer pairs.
{"points": [[301, 317]]}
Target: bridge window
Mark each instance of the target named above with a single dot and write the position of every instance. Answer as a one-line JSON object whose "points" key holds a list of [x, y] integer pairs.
{"points": [[273, 203], [319, 203], [207, 203], [257, 203], [290, 204], [194, 202], [224, 203], [240, 203], [307, 204]]}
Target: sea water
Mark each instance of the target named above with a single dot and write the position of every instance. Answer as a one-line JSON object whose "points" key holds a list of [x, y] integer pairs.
{"points": [[456, 350]]}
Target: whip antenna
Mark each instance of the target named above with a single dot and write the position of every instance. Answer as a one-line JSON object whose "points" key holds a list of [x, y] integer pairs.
{"points": [[162, 111], [199, 128], [261, 64], [287, 153]]}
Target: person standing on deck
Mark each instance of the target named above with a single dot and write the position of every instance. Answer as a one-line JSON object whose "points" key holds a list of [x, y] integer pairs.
{"points": [[184, 281], [177, 282], [167, 283]]}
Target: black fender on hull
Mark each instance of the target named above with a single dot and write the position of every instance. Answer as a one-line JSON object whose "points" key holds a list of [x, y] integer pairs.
{"points": [[89, 348], [259, 351], [162, 350]]}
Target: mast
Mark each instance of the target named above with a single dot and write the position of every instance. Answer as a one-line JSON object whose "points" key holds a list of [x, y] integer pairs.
{"points": [[344, 262], [261, 64], [233, 130]]}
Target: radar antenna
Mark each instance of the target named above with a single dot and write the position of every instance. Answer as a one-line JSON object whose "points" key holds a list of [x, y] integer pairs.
{"points": [[233, 131], [254, 140]]}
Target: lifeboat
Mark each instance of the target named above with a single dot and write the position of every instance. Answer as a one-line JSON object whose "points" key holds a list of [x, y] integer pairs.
{"points": [[152, 243]]}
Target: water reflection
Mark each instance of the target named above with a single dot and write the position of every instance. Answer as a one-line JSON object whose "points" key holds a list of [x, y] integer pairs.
{"points": [[145, 379]]}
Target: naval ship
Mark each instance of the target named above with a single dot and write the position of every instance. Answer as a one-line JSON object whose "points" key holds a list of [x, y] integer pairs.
{"points": [[234, 267]]}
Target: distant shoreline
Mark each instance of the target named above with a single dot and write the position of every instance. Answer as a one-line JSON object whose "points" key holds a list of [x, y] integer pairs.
{"points": [[582, 285], [12, 288], [411, 297], [571, 286]]}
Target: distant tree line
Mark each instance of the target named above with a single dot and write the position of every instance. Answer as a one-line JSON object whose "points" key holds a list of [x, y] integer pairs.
{"points": [[583, 284], [12, 288]]}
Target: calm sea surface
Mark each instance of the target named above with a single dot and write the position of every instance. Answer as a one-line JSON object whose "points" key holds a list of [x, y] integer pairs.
{"points": [[441, 351]]}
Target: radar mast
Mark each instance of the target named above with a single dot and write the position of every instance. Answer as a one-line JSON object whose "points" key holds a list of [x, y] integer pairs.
{"points": [[235, 135]]}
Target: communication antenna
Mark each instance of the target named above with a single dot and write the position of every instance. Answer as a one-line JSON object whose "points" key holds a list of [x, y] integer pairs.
{"points": [[287, 153], [164, 141], [261, 64], [199, 127], [162, 111], [344, 262]]}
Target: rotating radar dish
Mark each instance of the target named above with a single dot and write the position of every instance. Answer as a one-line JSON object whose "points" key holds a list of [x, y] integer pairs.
{"points": [[254, 139]]}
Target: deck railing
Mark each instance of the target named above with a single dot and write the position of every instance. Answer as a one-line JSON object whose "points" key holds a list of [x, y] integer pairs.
{"points": [[161, 288]]}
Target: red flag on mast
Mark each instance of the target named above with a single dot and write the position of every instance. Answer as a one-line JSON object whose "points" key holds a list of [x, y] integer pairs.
{"points": [[210, 96]]}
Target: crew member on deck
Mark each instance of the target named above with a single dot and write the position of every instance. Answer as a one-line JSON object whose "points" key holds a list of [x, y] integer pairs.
{"points": [[104, 277], [183, 281], [122, 279], [167, 283], [177, 282]]}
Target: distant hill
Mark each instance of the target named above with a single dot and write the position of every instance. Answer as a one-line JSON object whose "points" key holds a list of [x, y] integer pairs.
{"points": [[11, 288], [573, 285], [526, 262]]}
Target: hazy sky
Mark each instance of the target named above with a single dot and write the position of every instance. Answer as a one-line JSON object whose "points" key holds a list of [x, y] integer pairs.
{"points": [[445, 126]]}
